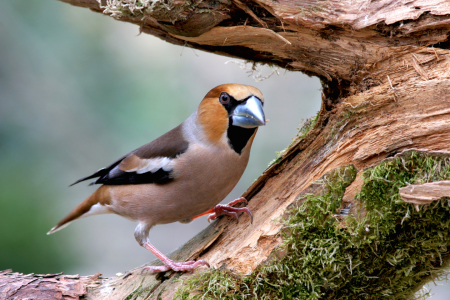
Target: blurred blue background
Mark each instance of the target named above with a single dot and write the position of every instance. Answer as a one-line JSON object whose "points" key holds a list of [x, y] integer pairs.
{"points": [[77, 91]]}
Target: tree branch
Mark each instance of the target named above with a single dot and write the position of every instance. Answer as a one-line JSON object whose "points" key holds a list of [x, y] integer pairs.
{"points": [[385, 67]]}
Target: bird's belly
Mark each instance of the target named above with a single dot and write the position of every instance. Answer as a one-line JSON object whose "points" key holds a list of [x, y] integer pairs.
{"points": [[189, 194]]}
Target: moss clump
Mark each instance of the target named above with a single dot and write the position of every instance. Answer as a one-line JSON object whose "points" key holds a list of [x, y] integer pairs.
{"points": [[408, 246], [387, 251]]}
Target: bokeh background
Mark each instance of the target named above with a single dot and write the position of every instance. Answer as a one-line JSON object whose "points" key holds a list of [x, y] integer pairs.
{"points": [[77, 91]]}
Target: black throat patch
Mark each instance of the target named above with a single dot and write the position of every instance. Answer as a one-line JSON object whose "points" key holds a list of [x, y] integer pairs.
{"points": [[238, 137]]}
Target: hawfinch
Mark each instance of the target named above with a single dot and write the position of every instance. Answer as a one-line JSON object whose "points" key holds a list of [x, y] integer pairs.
{"points": [[184, 173]]}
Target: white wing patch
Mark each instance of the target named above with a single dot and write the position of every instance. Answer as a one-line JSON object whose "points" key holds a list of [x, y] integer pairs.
{"points": [[153, 164]]}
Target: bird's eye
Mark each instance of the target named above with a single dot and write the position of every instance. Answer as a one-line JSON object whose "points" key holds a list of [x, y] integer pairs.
{"points": [[224, 98]]}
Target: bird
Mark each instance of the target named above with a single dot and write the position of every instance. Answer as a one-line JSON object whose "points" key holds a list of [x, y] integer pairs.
{"points": [[183, 174]]}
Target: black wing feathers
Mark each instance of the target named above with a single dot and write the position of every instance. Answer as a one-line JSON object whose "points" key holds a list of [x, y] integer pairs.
{"points": [[122, 177], [100, 173], [170, 145]]}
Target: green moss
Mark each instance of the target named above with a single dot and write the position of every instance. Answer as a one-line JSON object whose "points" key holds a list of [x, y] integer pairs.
{"points": [[141, 292], [277, 158], [134, 293], [387, 251], [307, 126]]}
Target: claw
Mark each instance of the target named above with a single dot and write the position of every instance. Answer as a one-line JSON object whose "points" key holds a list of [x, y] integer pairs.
{"points": [[229, 210]]}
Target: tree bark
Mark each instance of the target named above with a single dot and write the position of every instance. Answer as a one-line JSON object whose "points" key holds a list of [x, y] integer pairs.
{"points": [[385, 70]]}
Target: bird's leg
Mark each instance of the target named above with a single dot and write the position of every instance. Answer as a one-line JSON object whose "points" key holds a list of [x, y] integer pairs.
{"points": [[170, 264], [227, 210], [141, 235]]}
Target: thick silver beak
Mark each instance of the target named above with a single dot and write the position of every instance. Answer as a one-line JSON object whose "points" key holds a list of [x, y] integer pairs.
{"points": [[249, 114]]}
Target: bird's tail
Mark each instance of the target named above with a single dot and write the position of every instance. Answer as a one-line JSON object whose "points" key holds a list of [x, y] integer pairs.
{"points": [[95, 204]]}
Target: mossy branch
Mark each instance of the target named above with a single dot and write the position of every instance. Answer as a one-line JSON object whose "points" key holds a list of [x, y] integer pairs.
{"points": [[389, 251]]}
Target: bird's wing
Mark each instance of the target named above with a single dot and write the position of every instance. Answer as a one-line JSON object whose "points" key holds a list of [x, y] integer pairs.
{"points": [[151, 163]]}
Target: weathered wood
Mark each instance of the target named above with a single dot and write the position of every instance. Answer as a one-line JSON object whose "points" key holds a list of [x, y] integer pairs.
{"points": [[385, 68], [341, 40], [425, 193], [44, 286]]}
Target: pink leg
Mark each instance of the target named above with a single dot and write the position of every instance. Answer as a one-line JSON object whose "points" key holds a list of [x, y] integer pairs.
{"points": [[170, 264], [227, 210]]}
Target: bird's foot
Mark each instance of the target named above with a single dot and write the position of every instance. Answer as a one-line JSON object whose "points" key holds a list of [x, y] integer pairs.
{"points": [[176, 266], [229, 210], [170, 264]]}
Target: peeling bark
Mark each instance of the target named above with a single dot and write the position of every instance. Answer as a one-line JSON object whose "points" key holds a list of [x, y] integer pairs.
{"points": [[425, 193], [385, 69], [44, 286]]}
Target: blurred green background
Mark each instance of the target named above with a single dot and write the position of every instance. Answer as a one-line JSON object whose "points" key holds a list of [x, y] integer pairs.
{"points": [[77, 91]]}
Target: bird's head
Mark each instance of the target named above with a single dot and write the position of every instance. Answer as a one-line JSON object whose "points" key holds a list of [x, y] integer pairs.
{"points": [[234, 111]]}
